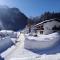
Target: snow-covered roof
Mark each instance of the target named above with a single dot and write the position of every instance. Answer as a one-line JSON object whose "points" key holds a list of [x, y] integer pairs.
{"points": [[48, 21]]}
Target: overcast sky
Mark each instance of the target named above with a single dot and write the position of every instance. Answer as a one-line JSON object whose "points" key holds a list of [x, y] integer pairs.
{"points": [[33, 7]]}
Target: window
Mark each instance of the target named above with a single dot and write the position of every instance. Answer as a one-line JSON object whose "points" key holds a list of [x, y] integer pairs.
{"points": [[41, 32]]}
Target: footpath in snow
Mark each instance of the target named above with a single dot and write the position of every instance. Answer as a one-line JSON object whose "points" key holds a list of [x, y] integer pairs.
{"points": [[18, 52]]}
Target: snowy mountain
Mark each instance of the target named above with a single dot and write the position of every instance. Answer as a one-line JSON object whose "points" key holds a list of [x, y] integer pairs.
{"points": [[12, 19]]}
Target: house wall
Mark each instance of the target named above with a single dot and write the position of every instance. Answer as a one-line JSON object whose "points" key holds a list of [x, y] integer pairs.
{"points": [[49, 25], [38, 32]]}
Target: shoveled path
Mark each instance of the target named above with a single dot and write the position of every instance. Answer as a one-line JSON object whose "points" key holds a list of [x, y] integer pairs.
{"points": [[19, 52]]}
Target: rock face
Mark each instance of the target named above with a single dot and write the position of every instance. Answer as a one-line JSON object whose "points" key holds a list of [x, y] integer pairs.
{"points": [[12, 19]]}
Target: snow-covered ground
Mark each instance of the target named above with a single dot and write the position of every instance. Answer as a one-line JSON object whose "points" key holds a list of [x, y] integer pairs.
{"points": [[5, 43], [41, 41], [18, 52], [5, 33], [7, 39]]}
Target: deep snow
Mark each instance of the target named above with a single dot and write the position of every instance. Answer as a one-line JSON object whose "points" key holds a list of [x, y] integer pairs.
{"points": [[18, 52], [41, 41], [7, 39]]}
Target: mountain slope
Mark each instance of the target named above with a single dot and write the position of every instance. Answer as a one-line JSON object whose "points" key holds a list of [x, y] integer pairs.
{"points": [[12, 19]]}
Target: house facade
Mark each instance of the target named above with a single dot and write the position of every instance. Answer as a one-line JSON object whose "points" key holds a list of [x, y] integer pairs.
{"points": [[48, 26]]}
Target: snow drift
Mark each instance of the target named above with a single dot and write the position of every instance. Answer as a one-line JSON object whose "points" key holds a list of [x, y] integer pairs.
{"points": [[42, 41], [5, 43], [4, 33], [7, 39]]}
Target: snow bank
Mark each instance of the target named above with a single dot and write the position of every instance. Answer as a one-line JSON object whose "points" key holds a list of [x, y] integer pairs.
{"points": [[10, 33], [5, 43], [9, 50], [42, 41], [7, 39]]}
